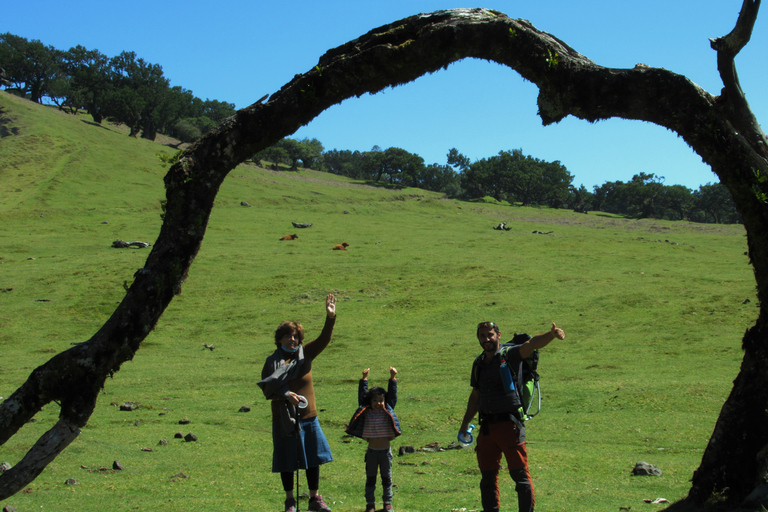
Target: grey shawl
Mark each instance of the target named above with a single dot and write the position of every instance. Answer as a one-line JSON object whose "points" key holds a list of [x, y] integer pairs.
{"points": [[275, 386]]}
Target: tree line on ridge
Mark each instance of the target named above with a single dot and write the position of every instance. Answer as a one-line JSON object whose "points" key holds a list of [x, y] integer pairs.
{"points": [[128, 90]]}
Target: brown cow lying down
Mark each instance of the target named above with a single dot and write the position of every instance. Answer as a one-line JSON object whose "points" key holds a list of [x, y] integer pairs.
{"points": [[341, 247], [289, 237]]}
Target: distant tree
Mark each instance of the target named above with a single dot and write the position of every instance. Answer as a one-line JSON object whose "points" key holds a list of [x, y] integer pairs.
{"points": [[185, 131], [405, 168], [440, 178], [293, 149], [215, 110], [343, 163], [513, 176], [140, 90], [90, 86], [715, 203], [678, 202], [556, 183], [457, 160], [311, 154], [643, 196], [611, 197], [484, 178], [276, 155], [29, 65], [580, 199]]}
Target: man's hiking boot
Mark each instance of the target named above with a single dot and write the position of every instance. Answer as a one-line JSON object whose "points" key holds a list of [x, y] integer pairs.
{"points": [[290, 505], [316, 504]]}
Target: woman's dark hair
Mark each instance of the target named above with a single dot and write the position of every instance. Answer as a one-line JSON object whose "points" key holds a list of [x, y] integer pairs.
{"points": [[375, 392], [289, 328]]}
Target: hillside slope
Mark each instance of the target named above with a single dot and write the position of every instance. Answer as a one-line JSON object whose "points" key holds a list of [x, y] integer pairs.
{"points": [[647, 307]]}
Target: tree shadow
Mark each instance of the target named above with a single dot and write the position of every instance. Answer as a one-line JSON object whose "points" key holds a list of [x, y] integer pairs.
{"points": [[382, 184]]}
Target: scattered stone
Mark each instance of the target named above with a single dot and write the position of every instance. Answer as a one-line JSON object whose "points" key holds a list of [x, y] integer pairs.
{"points": [[9, 508], [346, 212], [432, 447], [119, 244], [406, 449], [178, 435], [244, 408], [146, 449], [184, 421], [137, 424], [105, 222], [645, 469], [301, 225], [178, 476], [163, 442], [245, 203], [4, 467], [117, 466], [128, 406], [190, 437], [746, 301], [71, 481]]}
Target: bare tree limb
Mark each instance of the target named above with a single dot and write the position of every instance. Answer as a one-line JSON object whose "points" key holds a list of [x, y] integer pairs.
{"points": [[727, 48]]}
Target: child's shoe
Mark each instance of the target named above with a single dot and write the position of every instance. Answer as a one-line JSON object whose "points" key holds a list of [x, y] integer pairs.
{"points": [[290, 505], [316, 504], [388, 507]]}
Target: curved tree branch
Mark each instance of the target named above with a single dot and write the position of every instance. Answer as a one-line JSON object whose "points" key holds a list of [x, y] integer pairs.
{"points": [[569, 84], [727, 47]]}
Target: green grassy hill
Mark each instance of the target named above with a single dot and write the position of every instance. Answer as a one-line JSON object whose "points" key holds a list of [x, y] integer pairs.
{"points": [[653, 311]]}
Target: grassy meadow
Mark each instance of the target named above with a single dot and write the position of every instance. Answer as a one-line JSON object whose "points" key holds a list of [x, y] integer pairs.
{"points": [[653, 311]]}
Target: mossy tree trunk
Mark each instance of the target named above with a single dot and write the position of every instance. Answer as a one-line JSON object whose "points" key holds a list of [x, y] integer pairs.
{"points": [[719, 128]]}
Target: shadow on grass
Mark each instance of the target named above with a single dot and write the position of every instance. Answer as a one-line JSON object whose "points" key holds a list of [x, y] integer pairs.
{"points": [[382, 184], [92, 123], [685, 506]]}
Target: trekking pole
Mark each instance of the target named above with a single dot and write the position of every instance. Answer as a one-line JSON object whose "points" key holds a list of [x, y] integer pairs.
{"points": [[302, 404], [297, 459]]}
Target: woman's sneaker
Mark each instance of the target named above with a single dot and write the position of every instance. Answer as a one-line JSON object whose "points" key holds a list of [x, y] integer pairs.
{"points": [[290, 505], [370, 508], [388, 507], [316, 504]]}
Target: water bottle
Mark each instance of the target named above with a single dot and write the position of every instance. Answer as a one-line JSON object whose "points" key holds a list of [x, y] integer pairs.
{"points": [[466, 438], [506, 377]]}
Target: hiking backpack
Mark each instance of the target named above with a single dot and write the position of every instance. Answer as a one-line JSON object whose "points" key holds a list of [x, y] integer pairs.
{"points": [[527, 381], [525, 377]]}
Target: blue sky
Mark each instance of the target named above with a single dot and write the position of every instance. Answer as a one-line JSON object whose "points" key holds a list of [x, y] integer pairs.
{"points": [[238, 51]]}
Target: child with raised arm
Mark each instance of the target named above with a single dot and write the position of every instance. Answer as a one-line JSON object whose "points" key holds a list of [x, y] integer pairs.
{"points": [[375, 422]]}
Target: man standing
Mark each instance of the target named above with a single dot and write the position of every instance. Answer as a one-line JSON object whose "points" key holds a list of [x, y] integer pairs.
{"points": [[502, 429]]}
